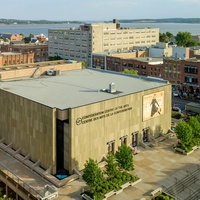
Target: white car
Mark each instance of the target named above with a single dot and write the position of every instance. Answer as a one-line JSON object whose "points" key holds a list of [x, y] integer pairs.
{"points": [[175, 94]]}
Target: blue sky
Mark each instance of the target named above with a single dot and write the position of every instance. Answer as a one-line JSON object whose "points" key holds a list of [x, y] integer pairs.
{"points": [[100, 10]]}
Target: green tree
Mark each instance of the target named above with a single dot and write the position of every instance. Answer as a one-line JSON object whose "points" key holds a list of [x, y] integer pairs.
{"points": [[192, 43], [5, 39], [83, 64], [92, 174], [163, 38], [112, 168], [52, 58], [27, 39], [22, 35], [169, 35], [31, 35], [184, 132], [195, 124], [198, 118], [124, 157], [130, 71], [183, 38]]}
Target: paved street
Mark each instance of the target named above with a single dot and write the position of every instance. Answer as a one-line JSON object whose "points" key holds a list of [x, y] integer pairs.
{"points": [[180, 102]]}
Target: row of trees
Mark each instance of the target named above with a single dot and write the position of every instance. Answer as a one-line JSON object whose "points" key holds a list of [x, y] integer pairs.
{"points": [[114, 175], [182, 38], [189, 133]]}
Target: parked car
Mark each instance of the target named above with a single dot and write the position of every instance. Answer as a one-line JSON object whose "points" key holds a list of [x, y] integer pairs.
{"points": [[175, 94], [176, 108]]}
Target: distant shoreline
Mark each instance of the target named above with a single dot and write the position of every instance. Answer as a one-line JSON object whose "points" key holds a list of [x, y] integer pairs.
{"points": [[164, 20]]}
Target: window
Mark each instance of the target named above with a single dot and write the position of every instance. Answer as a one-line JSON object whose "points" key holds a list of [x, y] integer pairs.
{"points": [[191, 79], [124, 140], [111, 146], [191, 69], [136, 66], [143, 66]]}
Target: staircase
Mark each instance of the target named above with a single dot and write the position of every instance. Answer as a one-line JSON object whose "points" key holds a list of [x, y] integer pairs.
{"points": [[184, 184]]}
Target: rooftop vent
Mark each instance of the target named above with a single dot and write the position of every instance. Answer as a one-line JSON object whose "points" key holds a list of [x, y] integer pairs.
{"points": [[112, 88]]}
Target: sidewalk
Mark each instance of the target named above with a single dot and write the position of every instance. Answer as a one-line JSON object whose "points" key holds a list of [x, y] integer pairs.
{"points": [[158, 167]]}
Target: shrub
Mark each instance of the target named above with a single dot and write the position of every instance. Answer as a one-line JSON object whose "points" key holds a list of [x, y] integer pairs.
{"points": [[176, 115], [92, 174], [163, 197]]}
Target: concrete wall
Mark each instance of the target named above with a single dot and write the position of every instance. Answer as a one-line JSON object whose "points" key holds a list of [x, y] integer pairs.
{"points": [[89, 134], [180, 52], [29, 126], [157, 52], [21, 72]]}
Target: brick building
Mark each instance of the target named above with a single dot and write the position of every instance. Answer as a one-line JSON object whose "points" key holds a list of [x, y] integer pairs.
{"points": [[190, 76], [111, 61], [10, 58], [40, 51]]}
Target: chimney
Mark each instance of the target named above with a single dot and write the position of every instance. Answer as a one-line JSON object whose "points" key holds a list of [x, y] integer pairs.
{"points": [[115, 21]]}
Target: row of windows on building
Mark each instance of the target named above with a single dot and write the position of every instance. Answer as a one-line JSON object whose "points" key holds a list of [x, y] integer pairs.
{"points": [[134, 140], [130, 32], [127, 43]]}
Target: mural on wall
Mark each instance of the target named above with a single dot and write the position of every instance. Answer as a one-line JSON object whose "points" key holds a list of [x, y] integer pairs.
{"points": [[153, 105]]}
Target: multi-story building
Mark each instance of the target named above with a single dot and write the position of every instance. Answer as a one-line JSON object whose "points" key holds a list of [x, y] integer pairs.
{"points": [[190, 76], [172, 70], [59, 123], [79, 43], [10, 58], [144, 65], [99, 60], [40, 51]]}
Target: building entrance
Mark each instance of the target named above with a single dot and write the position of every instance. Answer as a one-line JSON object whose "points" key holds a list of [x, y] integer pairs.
{"points": [[145, 135], [134, 139]]}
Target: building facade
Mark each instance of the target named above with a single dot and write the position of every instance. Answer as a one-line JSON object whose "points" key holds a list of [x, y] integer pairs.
{"points": [[79, 43], [40, 51], [10, 58], [62, 121]]}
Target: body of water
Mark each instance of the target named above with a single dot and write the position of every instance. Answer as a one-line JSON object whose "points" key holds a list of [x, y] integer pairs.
{"points": [[174, 28]]}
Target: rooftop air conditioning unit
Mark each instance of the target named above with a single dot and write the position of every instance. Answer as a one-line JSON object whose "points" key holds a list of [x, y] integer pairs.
{"points": [[50, 72], [112, 88]]}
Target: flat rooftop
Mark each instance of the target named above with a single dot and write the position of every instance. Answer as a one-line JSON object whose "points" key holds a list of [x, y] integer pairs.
{"points": [[78, 87], [150, 60]]}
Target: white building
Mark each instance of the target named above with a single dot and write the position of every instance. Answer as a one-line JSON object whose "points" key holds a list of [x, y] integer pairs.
{"points": [[79, 43]]}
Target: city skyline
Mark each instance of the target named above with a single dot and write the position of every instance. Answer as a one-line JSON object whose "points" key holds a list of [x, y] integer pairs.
{"points": [[99, 11]]}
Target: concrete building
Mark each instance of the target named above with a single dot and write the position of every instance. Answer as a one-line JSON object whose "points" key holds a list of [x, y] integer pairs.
{"points": [[10, 58], [161, 49], [181, 52], [80, 43], [62, 121], [40, 51]]}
